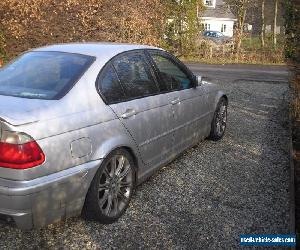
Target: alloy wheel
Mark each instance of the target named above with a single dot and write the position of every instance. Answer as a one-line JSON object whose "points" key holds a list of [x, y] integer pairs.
{"points": [[115, 186], [221, 119]]}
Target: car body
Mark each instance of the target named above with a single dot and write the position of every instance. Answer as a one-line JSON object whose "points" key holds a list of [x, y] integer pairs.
{"points": [[217, 37], [71, 129]]}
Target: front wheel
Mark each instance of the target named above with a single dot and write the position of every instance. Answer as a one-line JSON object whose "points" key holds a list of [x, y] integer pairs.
{"points": [[219, 122], [111, 188]]}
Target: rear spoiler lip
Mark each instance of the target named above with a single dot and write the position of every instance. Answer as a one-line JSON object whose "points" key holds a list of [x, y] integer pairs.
{"points": [[15, 122]]}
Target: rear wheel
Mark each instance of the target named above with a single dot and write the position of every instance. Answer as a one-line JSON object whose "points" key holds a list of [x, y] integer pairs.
{"points": [[111, 189], [219, 122]]}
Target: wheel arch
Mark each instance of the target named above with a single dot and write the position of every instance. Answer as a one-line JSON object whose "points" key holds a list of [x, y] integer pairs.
{"points": [[134, 158], [225, 97], [219, 95], [86, 211], [120, 142]]}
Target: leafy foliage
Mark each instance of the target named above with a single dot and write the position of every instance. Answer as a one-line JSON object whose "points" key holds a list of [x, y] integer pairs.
{"points": [[2, 50], [32, 23], [240, 8], [292, 23], [183, 25]]}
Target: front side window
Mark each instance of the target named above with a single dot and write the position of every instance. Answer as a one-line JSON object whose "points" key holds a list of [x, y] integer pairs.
{"points": [[172, 75], [207, 26], [109, 86], [43, 75], [135, 76]]}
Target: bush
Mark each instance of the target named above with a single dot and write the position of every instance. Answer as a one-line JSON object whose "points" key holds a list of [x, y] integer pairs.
{"points": [[292, 51], [209, 51], [33, 23]]}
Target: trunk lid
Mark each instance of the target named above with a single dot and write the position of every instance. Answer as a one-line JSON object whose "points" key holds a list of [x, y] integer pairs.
{"points": [[18, 111]]}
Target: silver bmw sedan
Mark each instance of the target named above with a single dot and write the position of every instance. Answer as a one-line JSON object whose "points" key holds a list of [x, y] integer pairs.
{"points": [[81, 125]]}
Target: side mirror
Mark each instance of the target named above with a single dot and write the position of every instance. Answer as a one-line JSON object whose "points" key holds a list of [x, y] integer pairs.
{"points": [[198, 80]]}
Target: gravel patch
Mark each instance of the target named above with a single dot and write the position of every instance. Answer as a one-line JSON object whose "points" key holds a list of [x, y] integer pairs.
{"points": [[208, 196]]}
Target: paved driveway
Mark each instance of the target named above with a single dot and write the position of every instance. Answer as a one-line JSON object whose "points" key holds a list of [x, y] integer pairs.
{"points": [[213, 192]]}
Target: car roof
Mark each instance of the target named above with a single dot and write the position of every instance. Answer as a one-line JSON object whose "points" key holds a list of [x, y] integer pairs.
{"points": [[98, 50]]}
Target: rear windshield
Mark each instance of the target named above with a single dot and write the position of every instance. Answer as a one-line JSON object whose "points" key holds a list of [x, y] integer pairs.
{"points": [[43, 75]]}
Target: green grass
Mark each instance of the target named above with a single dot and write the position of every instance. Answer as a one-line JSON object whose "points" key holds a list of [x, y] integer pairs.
{"points": [[254, 59], [251, 53], [228, 61], [250, 43]]}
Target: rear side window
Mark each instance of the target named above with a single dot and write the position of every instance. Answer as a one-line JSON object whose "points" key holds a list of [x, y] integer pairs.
{"points": [[109, 86], [135, 76], [43, 75], [172, 75]]}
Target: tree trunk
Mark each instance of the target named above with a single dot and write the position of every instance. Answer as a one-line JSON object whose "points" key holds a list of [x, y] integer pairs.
{"points": [[180, 27], [275, 24], [263, 24], [240, 28]]}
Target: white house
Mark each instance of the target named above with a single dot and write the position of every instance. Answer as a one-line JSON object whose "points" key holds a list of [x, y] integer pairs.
{"points": [[218, 17]]}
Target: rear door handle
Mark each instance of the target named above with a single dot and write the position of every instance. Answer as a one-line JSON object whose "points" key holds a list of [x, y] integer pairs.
{"points": [[175, 101], [128, 113]]}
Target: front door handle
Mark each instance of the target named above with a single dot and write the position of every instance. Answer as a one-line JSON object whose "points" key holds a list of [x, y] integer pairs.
{"points": [[175, 101], [128, 113]]}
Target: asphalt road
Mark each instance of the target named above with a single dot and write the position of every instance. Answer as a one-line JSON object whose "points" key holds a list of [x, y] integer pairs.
{"points": [[213, 192], [241, 72]]}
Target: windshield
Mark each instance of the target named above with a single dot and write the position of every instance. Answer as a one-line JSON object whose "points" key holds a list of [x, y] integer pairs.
{"points": [[43, 75]]}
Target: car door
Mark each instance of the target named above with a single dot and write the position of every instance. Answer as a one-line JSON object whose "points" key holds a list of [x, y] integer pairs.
{"points": [[189, 102], [144, 111]]}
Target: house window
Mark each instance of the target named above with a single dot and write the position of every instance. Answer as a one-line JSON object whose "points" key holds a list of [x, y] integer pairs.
{"points": [[207, 26], [223, 28], [209, 3]]}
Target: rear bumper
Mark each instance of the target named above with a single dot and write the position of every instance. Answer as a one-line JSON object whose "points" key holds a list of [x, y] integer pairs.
{"points": [[42, 201]]}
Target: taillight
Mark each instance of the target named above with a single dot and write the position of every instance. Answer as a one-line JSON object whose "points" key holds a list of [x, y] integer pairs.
{"points": [[19, 151]]}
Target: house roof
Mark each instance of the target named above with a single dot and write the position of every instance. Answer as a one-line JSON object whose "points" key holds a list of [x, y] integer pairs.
{"points": [[221, 10]]}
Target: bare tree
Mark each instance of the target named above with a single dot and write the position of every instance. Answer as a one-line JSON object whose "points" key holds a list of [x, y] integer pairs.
{"points": [[275, 23], [182, 25], [263, 24], [239, 8]]}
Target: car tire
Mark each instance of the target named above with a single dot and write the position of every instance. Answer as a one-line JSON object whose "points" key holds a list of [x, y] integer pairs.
{"points": [[219, 122], [111, 189]]}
